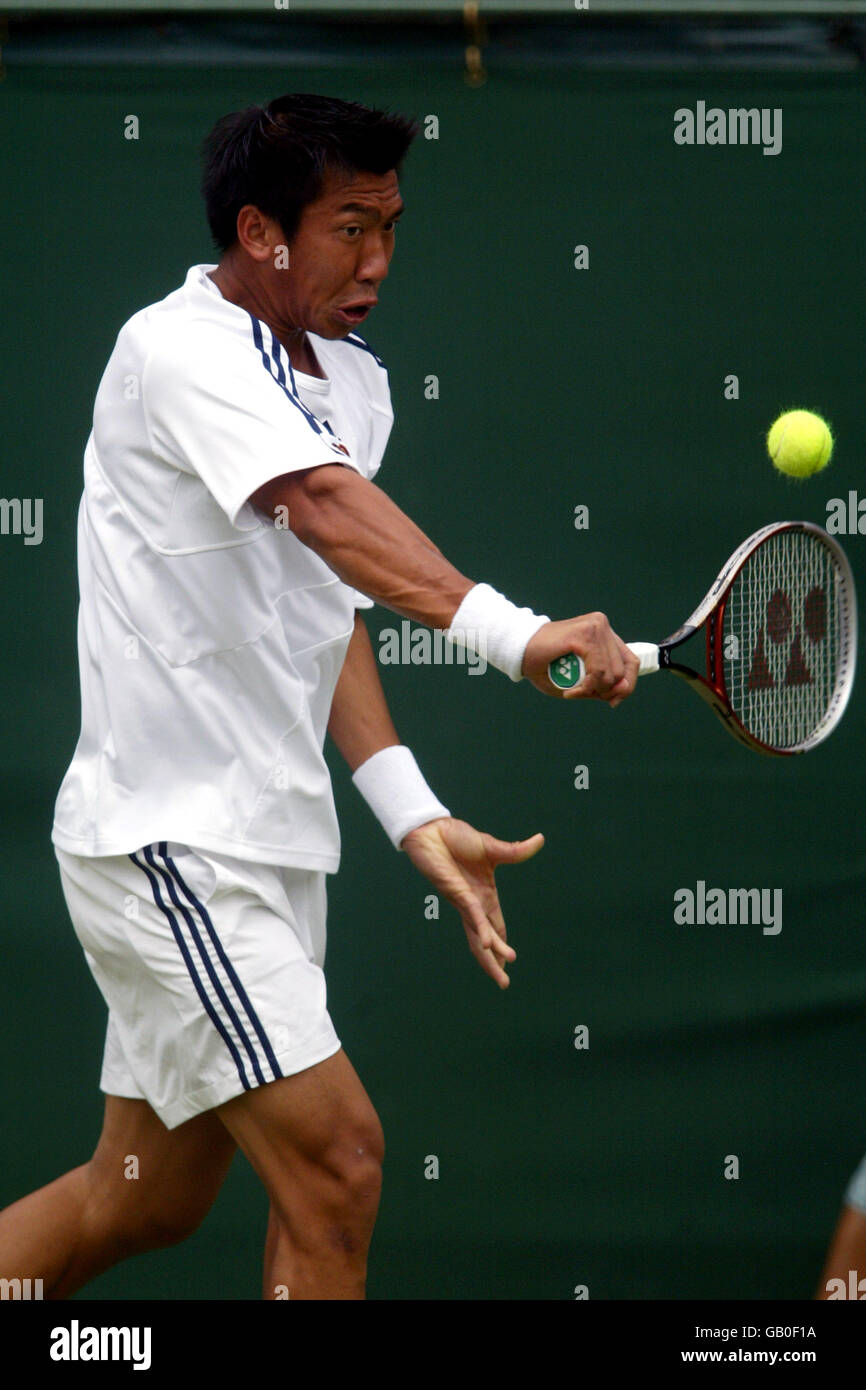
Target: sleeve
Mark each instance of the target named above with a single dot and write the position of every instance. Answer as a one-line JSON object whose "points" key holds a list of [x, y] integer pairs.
{"points": [[216, 410]]}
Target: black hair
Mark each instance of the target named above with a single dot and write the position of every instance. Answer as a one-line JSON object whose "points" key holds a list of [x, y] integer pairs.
{"points": [[276, 156]]}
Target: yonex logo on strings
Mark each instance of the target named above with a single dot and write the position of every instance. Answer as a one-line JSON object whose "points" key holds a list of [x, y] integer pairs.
{"points": [[793, 660], [22, 516]]}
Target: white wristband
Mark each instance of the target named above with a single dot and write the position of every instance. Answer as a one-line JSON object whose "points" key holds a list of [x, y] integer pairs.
{"points": [[489, 625], [393, 787]]}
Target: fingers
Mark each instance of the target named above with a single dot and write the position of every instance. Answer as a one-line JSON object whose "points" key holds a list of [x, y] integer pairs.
{"points": [[611, 675], [491, 961], [492, 966], [460, 861], [485, 932], [620, 691], [611, 669], [482, 917], [480, 923], [493, 942], [613, 680], [513, 851]]}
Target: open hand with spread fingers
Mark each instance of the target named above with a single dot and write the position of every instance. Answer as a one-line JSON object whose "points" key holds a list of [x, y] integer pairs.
{"points": [[460, 862]]}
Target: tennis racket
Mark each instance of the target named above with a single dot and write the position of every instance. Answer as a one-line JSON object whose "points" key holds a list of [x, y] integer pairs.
{"points": [[780, 624]]}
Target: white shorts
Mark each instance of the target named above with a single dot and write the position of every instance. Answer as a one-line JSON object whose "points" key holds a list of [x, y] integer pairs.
{"points": [[211, 968]]}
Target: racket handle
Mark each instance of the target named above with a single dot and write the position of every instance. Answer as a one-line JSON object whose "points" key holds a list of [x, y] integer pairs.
{"points": [[568, 671]]}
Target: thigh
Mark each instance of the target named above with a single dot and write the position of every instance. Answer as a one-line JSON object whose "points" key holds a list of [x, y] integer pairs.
{"points": [[170, 1176], [321, 1118]]}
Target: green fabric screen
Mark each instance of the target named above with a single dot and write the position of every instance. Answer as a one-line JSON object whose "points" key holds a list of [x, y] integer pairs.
{"points": [[452, 8]]}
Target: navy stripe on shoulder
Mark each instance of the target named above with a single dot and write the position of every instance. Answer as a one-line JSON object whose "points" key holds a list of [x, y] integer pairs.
{"points": [[359, 342], [272, 364]]}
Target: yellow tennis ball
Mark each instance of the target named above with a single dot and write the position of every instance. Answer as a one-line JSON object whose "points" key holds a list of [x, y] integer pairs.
{"points": [[800, 443]]}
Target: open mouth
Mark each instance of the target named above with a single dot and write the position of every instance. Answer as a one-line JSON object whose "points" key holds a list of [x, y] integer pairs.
{"points": [[354, 313]]}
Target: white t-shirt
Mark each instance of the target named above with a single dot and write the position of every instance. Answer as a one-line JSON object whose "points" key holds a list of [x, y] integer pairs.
{"points": [[210, 641]]}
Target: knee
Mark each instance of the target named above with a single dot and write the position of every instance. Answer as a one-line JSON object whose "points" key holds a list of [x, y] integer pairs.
{"points": [[138, 1215], [158, 1225], [354, 1158], [337, 1199]]}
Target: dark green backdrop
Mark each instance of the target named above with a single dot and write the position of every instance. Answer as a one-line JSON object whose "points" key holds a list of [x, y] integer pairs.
{"points": [[558, 1167]]}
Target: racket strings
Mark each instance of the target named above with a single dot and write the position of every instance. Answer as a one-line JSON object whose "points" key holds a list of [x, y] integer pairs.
{"points": [[782, 639]]}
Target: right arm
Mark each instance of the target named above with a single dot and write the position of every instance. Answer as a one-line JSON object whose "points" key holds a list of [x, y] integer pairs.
{"points": [[374, 546], [368, 541]]}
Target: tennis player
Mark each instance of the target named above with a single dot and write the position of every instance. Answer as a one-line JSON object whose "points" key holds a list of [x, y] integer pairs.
{"points": [[229, 535]]}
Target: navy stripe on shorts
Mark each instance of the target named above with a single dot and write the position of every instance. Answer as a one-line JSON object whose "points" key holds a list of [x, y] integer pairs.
{"points": [[204, 955]]}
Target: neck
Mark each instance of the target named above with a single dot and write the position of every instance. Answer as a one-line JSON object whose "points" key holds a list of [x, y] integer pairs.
{"points": [[238, 289]]}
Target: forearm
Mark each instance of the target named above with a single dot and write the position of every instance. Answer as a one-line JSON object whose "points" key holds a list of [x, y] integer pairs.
{"points": [[368, 541], [360, 723], [383, 770]]}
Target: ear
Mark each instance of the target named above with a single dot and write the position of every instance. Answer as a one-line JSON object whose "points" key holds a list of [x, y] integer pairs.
{"points": [[258, 234]]}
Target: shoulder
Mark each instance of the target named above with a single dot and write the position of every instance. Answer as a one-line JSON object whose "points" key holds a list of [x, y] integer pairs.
{"points": [[198, 347], [354, 361], [352, 355], [361, 345], [192, 323], [180, 352]]}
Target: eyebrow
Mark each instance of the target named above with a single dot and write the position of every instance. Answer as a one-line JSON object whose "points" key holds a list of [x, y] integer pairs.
{"points": [[365, 209]]}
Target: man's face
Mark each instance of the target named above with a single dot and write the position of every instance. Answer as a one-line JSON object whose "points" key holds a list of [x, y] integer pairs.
{"points": [[340, 254]]}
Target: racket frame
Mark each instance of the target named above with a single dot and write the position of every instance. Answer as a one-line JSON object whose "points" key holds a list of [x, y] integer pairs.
{"points": [[710, 614]]}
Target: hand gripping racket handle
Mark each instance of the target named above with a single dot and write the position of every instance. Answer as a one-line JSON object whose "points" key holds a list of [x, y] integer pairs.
{"points": [[568, 671]]}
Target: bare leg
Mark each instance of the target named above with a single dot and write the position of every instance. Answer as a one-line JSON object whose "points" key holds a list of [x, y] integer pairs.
{"points": [[847, 1251], [271, 1241], [316, 1143], [95, 1215]]}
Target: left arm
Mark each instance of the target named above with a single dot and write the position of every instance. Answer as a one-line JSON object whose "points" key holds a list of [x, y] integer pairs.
{"points": [[360, 722], [458, 860]]}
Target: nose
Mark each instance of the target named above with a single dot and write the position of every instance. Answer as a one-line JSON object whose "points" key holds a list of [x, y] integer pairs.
{"points": [[374, 259]]}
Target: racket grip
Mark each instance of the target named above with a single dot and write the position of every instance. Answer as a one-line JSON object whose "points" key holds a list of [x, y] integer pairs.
{"points": [[568, 671]]}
